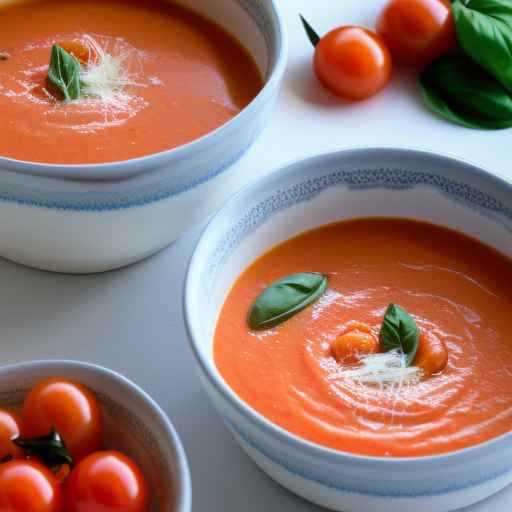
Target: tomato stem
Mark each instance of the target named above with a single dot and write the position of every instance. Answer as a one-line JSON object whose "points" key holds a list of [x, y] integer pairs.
{"points": [[310, 31], [49, 448]]}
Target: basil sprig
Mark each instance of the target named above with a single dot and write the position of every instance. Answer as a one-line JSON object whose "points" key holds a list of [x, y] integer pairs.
{"points": [[49, 448], [64, 73], [399, 331], [474, 88], [484, 30], [461, 91], [285, 298]]}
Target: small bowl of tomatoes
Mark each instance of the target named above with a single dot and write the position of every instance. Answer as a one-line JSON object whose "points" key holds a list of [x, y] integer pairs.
{"points": [[77, 437]]}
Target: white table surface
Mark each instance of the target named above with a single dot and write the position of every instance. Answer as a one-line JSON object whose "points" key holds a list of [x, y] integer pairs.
{"points": [[131, 320]]}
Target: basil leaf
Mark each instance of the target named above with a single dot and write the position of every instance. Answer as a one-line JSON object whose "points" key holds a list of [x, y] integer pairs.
{"points": [[484, 30], [463, 92], [399, 330], [64, 73], [49, 448], [284, 298]]}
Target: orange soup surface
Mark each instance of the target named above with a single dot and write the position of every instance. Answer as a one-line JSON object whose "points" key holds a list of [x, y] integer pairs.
{"points": [[454, 287], [184, 76]]}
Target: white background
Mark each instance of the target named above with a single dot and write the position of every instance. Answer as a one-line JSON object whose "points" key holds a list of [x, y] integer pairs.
{"points": [[131, 320]]}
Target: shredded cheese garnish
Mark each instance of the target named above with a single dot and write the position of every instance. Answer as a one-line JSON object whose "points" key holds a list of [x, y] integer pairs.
{"points": [[108, 73], [386, 369]]}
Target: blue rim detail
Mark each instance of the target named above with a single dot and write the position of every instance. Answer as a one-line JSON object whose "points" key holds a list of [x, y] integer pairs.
{"points": [[392, 179], [261, 19], [331, 484], [159, 192]]}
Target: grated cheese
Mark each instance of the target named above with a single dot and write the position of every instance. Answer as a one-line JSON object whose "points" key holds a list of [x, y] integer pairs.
{"points": [[386, 369], [107, 74]]}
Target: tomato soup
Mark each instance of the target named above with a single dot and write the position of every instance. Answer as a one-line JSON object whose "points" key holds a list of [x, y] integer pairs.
{"points": [[455, 288], [182, 77]]}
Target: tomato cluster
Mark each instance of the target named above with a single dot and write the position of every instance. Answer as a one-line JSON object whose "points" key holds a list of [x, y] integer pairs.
{"points": [[355, 63], [51, 458]]}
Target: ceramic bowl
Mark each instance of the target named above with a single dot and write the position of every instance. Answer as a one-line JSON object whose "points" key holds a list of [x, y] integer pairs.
{"points": [[134, 424], [90, 218], [302, 196]]}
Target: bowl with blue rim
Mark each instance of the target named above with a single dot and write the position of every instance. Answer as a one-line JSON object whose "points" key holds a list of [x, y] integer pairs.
{"points": [[355, 183], [87, 218]]}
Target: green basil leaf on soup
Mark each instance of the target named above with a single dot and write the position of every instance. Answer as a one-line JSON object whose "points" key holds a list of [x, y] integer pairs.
{"points": [[285, 298], [484, 30], [399, 331], [64, 73], [461, 91]]}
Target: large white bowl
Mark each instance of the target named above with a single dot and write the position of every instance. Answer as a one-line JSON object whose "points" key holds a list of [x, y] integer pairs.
{"points": [[307, 194], [90, 218], [134, 424]]}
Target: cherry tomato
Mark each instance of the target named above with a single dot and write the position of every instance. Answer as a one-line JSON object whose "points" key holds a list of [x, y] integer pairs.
{"points": [[352, 62], [81, 51], [27, 486], [432, 355], [357, 340], [106, 481], [10, 428], [68, 407], [418, 31]]}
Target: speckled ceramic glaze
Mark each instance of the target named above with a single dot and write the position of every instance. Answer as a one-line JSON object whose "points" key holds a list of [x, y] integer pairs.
{"points": [[134, 424], [307, 194], [90, 218]]}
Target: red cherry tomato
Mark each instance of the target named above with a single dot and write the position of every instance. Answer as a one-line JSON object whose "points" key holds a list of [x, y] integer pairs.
{"points": [[10, 428], [27, 486], [418, 31], [106, 481], [78, 49], [68, 407], [352, 62]]}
